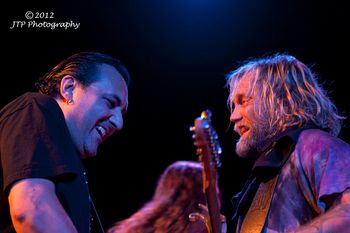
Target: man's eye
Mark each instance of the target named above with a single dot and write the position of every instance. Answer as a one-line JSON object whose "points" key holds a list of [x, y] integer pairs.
{"points": [[110, 102], [245, 101]]}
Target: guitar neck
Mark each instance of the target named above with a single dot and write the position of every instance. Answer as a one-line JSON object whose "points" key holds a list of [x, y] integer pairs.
{"points": [[212, 200], [214, 210]]}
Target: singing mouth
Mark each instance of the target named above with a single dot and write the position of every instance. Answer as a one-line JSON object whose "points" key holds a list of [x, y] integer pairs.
{"points": [[242, 130], [101, 131]]}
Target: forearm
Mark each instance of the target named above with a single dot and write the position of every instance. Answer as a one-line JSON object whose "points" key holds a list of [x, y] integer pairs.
{"points": [[336, 219]]}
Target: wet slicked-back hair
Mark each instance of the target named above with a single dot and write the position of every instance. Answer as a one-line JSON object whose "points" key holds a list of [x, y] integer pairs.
{"points": [[82, 66], [290, 94], [178, 193]]}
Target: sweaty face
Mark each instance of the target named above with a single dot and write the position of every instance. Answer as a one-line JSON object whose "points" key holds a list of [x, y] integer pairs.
{"points": [[251, 127], [97, 110]]}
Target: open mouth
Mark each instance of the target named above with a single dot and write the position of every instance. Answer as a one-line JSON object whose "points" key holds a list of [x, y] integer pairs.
{"points": [[243, 130], [101, 131]]}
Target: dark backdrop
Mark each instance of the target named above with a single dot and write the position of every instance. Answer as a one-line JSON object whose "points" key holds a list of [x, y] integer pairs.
{"points": [[178, 53]]}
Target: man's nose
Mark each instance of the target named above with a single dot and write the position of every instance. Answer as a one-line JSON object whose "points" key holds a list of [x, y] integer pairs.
{"points": [[117, 120], [236, 115]]}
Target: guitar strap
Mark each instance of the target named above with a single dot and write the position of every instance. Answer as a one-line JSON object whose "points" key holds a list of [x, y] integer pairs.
{"points": [[94, 211], [266, 170], [255, 218], [97, 217]]}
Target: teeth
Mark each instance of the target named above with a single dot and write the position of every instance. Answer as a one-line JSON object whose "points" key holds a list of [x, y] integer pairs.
{"points": [[243, 129], [101, 130]]}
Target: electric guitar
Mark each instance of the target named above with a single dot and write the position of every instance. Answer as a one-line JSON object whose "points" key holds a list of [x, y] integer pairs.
{"points": [[208, 149]]}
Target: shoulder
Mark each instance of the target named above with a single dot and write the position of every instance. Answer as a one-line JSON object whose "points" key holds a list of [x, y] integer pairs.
{"points": [[314, 146], [29, 102], [36, 98], [316, 139]]}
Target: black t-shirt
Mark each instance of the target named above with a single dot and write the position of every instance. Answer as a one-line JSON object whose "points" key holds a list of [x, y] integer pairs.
{"points": [[35, 143]]}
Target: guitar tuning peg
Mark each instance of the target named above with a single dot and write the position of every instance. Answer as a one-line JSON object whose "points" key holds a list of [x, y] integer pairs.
{"points": [[206, 114], [192, 128], [218, 149], [200, 158]]}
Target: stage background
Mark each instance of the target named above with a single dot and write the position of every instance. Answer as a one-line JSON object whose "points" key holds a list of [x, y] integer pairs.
{"points": [[178, 54]]}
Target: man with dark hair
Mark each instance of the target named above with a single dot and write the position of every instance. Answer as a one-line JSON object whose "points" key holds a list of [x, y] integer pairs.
{"points": [[300, 181], [44, 136]]}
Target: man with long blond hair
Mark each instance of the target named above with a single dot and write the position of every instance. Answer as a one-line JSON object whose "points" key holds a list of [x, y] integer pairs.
{"points": [[300, 181]]}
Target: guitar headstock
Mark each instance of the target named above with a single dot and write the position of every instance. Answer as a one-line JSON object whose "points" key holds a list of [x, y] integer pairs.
{"points": [[206, 139]]}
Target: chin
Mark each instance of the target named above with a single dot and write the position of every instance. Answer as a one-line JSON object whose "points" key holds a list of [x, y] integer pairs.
{"points": [[88, 153], [245, 150]]}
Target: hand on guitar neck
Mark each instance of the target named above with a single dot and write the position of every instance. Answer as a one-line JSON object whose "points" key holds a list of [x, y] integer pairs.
{"points": [[208, 149]]}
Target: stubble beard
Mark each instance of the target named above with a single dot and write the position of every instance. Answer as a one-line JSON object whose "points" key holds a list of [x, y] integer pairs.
{"points": [[253, 144]]}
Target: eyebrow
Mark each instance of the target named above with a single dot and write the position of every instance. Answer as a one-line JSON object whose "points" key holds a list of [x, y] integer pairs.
{"points": [[239, 97]]}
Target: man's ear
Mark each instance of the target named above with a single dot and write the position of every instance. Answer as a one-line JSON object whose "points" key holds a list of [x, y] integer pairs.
{"points": [[68, 83]]}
